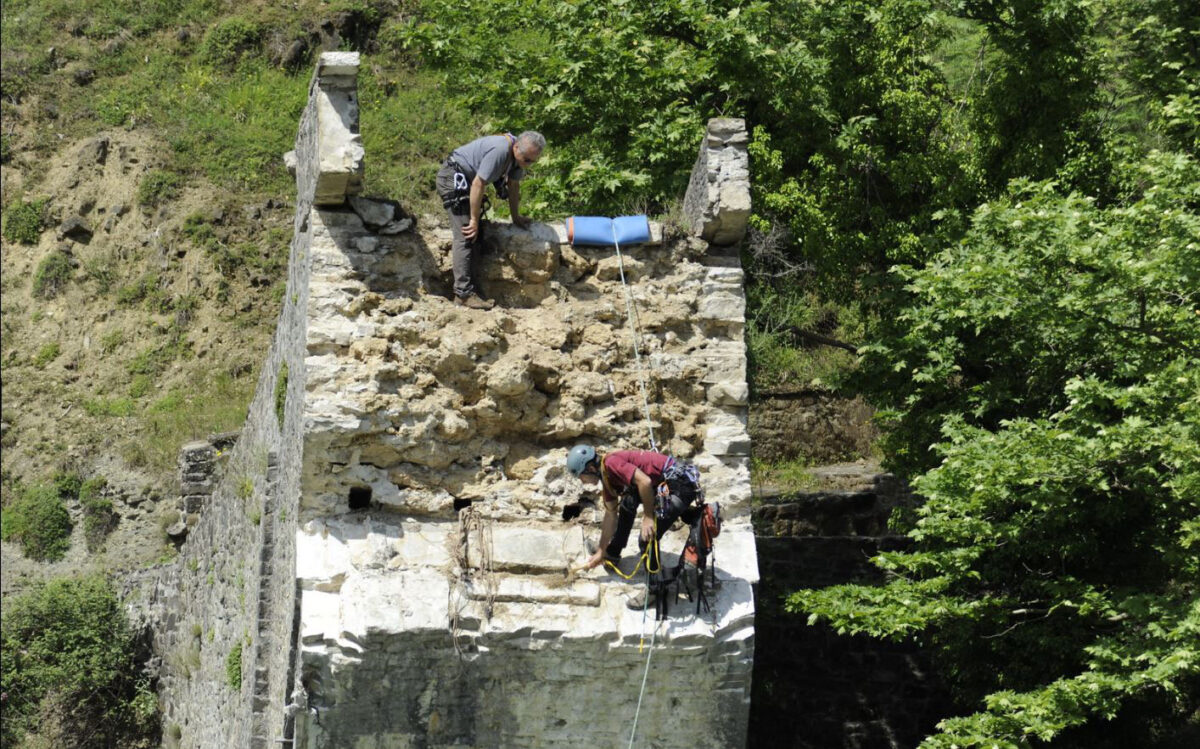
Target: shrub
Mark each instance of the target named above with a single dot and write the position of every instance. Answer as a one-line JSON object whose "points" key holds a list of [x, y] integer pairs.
{"points": [[216, 403], [140, 385], [46, 354], [67, 484], [37, 518], [24, 222], [111, 340], [133, 293], [109, 407], [158, 187], [52, 275], [788, 475], [102, 270], [228, 40], [70, 671], [233, 667]]}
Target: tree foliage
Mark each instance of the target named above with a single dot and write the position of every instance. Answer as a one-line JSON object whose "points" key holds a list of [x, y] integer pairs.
{"points": [[851, 148], [1055, 355]]}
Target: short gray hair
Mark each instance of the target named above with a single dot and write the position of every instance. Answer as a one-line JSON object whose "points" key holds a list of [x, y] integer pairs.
{"points": [[533, 139]]}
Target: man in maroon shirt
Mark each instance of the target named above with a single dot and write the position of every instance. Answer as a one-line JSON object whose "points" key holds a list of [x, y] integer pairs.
{"points": [[629, 478]]}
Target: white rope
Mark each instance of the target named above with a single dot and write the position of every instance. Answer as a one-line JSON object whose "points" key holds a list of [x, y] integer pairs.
{"points": [[635, 324], [645, 675]]}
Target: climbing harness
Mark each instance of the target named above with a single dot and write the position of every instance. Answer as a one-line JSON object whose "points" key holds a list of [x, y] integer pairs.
{"points": [[458, 202]]}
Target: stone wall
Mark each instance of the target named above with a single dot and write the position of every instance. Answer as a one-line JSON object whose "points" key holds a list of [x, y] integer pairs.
{"points": [[814, 689], [233, 590], [813, 425], [386, 545], [717, 204]]}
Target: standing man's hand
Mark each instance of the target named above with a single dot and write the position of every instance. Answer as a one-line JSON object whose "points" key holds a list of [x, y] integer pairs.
{"points": [[472, 228]]}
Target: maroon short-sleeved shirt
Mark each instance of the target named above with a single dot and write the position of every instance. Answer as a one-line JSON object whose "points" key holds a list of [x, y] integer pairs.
{"points": [[620, 467]]}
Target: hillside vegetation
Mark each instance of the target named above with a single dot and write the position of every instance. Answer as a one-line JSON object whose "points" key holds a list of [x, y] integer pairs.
{"points": [[995, 202]]}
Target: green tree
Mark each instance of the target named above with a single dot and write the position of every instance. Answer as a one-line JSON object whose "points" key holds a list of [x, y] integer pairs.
{"points": [[1055, 353], [1039, 111], [1155, 51]]}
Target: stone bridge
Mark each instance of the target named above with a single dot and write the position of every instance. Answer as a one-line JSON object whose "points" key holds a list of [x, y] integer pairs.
{"points": [[385, 546]]}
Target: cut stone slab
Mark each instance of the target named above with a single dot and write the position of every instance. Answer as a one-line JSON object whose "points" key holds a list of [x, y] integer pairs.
{"points": [[522, 588], [530, 549]]}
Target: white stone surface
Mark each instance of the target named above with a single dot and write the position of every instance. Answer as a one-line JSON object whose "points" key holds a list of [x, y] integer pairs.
{"points": [[727, 440], [337, 64]]}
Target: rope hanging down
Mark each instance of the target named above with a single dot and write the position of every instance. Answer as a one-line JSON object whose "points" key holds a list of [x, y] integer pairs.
{"points": [[652, 550], [635, 325]]}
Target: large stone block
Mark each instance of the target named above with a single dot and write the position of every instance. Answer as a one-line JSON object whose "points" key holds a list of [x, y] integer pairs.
{"points": [[527, 549], [339, 150]]}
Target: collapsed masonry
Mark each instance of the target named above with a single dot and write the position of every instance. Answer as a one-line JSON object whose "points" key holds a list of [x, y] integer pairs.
{"points": [[412, 518]]}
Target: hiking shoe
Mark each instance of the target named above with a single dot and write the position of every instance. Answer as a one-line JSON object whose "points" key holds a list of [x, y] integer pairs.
{"points": [[640, 602], [474, 301]]}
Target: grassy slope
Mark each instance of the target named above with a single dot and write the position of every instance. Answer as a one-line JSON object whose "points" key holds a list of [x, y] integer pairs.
{"points": [[155, 332]]}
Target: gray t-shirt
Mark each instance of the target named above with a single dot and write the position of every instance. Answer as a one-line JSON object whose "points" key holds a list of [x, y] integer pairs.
{"points": [[487, 157]]}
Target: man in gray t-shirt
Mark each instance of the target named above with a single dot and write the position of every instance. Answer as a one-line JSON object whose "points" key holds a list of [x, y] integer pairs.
{"points": [[500, 160]]}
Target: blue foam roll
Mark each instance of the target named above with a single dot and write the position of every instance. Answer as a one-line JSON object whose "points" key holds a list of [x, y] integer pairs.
{"points": [[631, 229], [603, 231]]}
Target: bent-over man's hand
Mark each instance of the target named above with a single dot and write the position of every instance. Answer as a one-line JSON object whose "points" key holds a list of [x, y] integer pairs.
{"points": [[647, 529], [594, 560], [522, 221]]}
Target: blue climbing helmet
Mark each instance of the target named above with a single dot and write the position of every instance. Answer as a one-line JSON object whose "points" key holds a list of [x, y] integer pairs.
{"points": [[579, 457]]}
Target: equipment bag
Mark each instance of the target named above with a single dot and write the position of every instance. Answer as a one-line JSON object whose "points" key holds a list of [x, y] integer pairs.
{"points": [[700, 540]]}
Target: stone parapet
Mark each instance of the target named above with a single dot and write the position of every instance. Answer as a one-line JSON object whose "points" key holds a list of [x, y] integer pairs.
{"points": [[717, 204], [813, 687], [328, 160]]}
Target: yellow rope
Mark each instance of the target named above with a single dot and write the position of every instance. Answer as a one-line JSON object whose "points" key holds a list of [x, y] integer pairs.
{"points": [[645, 557]]}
